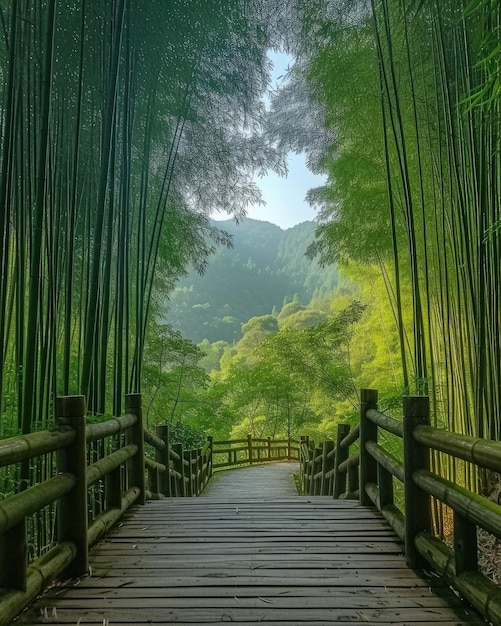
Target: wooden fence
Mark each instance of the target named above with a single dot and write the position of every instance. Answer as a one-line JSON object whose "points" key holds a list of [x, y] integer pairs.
{"points": [[369, 474], [252, 450], [126, 475]]}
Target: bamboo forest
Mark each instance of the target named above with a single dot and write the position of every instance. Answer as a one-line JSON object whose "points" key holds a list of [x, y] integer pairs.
{"points": [[127, 125]]}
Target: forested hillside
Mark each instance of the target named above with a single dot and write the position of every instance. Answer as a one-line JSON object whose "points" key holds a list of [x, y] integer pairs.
{"points": [[265, 268]]}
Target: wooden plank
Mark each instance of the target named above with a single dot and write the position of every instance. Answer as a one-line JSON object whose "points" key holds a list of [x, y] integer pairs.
{"points": [[396, 596], [383, 561], [238, 601], [335, 578], [243, 614]]}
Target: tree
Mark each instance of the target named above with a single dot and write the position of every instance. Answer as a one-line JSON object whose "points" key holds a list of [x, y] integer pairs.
{"points": [[174, 382], [319, 356]]}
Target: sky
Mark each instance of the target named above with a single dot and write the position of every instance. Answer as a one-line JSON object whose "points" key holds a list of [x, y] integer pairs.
{"points": [[285, 198], [286, 204]]}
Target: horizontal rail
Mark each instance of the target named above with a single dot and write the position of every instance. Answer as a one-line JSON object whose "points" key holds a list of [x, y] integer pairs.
{"points": [[390, 463], [482, 452], [227, 442], [386, 422], [25, 447], [475, 587], [390, 512], [39, 574], [475, 508], [351, 437], [226, 450], [106, 465], [352, 461], [101, 430], [154, 441], [108, 518], [153, 465], [15, 508], [174, 455]]}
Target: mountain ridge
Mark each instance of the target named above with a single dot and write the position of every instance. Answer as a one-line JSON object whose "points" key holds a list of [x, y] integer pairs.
{"points": [[266, 268]]}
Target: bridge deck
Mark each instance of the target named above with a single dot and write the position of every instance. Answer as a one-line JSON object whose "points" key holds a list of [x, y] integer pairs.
{"points": [[245, 553]]}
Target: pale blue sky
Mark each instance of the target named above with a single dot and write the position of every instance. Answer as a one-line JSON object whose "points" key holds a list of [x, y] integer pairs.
{"points": [[285, 200], [285, 197]]}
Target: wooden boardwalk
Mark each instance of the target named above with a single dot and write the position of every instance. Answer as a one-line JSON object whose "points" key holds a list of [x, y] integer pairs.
{"points": [[250, 550]]}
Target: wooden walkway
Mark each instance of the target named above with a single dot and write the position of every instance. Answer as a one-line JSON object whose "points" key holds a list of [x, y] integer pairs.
{"points": [[250, 550]]}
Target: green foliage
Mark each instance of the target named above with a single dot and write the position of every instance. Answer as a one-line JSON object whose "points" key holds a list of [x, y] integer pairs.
{"points": [[284, 379], [189, 437], [173, 381]]}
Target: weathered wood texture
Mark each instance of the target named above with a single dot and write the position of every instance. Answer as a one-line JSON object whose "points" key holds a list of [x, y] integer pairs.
{"points": [[245, 552]]}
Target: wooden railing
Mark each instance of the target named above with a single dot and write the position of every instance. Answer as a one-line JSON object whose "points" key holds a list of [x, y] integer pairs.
{"points": [[234, 452], [369, 473], [125, 476], [188, 473]]}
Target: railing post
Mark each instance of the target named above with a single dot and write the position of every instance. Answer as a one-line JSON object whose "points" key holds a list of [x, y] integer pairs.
{"points": [[210, 439], [200, 470], [269, 448], [368, 432], [327, 466], [341, 455], [465, 544], [316, 467], [188, 464], [136, 436], [353, 479], [385, 485], [416, 456], [193, 472], [302, 440], [163, 456], [249, 448], [113, 488], [14, 557], [179, 467], [288, 448], [72, 508], [309, 469]]}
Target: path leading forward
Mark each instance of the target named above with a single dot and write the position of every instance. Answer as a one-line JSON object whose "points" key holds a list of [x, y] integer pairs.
{"points": [[250, 550]]}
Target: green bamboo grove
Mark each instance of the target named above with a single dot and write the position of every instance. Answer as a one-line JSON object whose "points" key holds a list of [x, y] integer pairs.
{"points": [[124, 125], [409, 97]]}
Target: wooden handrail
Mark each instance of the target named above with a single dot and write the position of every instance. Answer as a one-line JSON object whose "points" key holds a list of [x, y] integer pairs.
{"points": [[237, 452], [116, 448], [482, 452], [101, 430], [356, 464], [373, 484], [25, 447], [122, 467]]}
